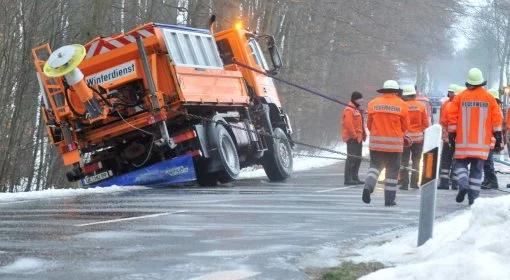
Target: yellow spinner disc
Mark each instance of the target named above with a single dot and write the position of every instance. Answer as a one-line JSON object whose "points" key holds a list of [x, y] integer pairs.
{"points": [[64, 60]]}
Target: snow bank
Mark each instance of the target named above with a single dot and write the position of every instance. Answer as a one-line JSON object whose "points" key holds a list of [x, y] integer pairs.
{"points": [[471, 245], [55, 193], [303, 163]]}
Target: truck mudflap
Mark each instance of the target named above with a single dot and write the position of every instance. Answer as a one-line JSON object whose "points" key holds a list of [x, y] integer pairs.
{"points": [[169, 172]]}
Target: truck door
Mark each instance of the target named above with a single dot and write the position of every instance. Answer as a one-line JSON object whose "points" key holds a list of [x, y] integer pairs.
{"points": [[233, 44]]}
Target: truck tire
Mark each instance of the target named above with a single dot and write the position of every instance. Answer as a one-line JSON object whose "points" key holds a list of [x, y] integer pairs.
{"points": [[227, 152], [277, 160]]}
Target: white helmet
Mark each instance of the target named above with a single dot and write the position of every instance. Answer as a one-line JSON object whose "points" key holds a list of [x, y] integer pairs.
{"points": [[390, 86], [408, 90]]}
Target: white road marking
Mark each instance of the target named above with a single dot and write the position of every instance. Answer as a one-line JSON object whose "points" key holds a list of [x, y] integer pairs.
{"points": [[337, 189], [129, 219]]}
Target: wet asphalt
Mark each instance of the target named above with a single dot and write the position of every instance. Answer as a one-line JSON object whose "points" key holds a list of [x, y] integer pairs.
{"points": [[251, 229]]}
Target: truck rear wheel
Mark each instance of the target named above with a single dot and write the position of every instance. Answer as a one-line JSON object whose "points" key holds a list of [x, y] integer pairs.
{"points": [[277, 160], [228, 156]]}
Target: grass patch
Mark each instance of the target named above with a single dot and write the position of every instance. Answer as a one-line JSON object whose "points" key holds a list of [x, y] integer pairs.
{"points": [[350, 270]]}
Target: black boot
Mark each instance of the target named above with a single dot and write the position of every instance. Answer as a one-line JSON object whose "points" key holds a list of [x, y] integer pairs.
{"points": [[485, 182], [348, 180], [472, 196], [357, 180], [490, 186], [366, 196], [461, 195], [389, 198]]}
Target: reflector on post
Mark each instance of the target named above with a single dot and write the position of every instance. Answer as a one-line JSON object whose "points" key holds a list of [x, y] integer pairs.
{"points": [[429, 174]]}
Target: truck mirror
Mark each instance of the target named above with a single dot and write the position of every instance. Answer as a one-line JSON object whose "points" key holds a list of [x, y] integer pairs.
{"points": [[275, 58]]}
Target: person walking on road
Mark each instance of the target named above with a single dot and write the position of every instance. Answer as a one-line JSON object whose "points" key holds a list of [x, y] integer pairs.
{"points": [[473, 121], [353, 133], [387, 122], [418, 122], [446, 168], [490, 180]]}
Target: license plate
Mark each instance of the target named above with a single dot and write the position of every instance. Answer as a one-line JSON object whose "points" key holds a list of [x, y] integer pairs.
{"points": [[98, 177]]}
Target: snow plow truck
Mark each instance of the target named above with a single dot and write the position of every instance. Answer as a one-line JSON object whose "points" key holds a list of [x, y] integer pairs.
{"points": [[165, 104]]}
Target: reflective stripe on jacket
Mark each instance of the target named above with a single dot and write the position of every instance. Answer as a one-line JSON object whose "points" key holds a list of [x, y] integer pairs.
{"points": [[418, 120], [388, 120], [352, 124], [474, 116]]}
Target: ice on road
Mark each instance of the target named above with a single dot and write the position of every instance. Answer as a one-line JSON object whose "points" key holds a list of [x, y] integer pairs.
{"points": [[470, 245]]}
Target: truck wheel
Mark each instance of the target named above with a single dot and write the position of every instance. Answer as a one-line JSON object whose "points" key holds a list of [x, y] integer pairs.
{"points": [[228, 155], [277, 160]]}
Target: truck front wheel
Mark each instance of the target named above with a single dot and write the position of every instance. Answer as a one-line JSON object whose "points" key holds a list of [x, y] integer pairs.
{"points": [[277, 160]]}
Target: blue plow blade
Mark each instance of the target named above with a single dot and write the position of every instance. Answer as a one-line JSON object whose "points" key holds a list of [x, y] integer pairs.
{"points": [[169, 172]]}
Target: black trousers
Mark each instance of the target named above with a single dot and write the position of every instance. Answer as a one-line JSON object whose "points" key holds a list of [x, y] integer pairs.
{"points": [[413, 152], [352, 163], [489, 171], [446, 168]]}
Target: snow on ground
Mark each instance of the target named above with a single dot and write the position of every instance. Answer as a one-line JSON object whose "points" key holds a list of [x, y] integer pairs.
{"points": [[472, 244], [302, 163], [26, 266], [55, 193], [237, 274]]}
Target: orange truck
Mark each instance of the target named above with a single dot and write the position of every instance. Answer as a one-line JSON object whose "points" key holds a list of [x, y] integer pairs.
{"points": [[165, 104]]}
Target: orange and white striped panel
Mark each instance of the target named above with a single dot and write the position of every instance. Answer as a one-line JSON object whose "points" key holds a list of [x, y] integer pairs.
{"points": [[104, 45]]}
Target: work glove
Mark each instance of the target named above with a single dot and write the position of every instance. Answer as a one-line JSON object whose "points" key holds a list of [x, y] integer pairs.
{"points": [[451, 139], [407, 141], [498, 147]]}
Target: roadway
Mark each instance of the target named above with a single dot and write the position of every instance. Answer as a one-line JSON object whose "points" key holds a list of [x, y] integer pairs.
{"points": [[251, 229]]}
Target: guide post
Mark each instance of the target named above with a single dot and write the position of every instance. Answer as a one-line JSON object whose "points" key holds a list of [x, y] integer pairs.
{"points": [[429, 180]]}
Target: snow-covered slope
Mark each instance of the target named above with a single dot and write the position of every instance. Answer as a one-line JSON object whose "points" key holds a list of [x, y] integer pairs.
{"points": [[474, 244], [304, 162]]}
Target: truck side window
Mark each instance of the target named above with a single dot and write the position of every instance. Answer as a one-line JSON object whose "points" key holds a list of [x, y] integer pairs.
{"points": [[192, 49], [257, 54], [225, 50]]}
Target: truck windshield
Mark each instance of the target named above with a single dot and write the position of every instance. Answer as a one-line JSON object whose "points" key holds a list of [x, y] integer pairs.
{"points": [[257, 54]]}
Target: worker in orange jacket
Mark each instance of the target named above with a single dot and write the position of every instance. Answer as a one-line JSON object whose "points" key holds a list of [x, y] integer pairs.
{"points": [[446, 168], [507, 126], [353, 134], [474, 120], [490, 180], [418, 121], [387, 122]]}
